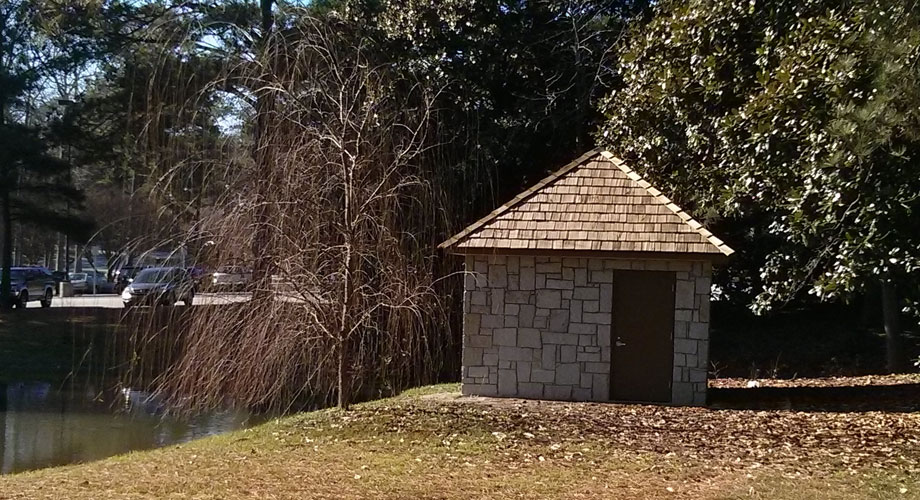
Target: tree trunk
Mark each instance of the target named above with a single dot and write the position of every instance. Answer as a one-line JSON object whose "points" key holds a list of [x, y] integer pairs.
{"points": [[6, 301], [261, 243], [891, 312]]}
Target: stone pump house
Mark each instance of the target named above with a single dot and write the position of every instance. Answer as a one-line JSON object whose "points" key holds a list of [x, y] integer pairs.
{"points": [[589, 286]]}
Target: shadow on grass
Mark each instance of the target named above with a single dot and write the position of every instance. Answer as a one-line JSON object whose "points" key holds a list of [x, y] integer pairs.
{"points": [[887, 398]]}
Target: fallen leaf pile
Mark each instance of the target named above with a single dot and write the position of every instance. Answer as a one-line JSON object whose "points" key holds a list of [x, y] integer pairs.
{"points": [[801, 442]]}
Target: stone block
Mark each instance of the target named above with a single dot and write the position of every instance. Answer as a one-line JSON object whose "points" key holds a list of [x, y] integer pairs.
{"points": [[703, 286], [539, 322], [600, 368], [481, 266], [498, 276], [498, 301], [586, 293], [702, 348], [583, 328], [679, 265], [699, 331], [568, 374], [568, 273], [566, 296], [681, 329], [680, 359], [560, 338], [515, 354], [558, 393], [567, 353], [684, 346], [683, 295], [681, 315], [603, 335], [490, 359], [554, 284], [656, 265], [511, 321], [517, 297], [478, 390], [491, 321], [581, 394], [677, 374], [596, 318], [559, 321], [595, 264], [523, 371], [472, 356], [549, 267], [704, 310], [478, 371], [618, 264], [539, 281], [548, 361], [504, 337], [507, 382], [590, 339], [682, 393], [590, 306], [697, 375], [480, 310], [580, 276], [601, 276], [549, 299], [513, 309], [478, 341], [543, 376], [479, 298], [525, 316], [526, 278], [530, 390], [504, 364], [471, 324], [606, 300], [526, 261], [575, 309], [589, 356], [600, 389], [514, 264], [529, 337], [586, 380]]}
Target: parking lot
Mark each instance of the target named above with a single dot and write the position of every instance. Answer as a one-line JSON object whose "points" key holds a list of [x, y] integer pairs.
{"points": [[114, 301]]}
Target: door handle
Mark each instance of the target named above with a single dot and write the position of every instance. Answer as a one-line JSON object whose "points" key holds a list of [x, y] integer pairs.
{"points": [[620, 343]]}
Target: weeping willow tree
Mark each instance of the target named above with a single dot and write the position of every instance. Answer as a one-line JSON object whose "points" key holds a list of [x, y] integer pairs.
{"points": [[330, 206]]}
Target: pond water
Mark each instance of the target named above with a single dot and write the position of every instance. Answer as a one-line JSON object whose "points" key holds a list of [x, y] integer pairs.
{"points": [[44, 425]]}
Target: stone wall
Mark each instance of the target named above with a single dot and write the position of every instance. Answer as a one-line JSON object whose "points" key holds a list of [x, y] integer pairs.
{"points": [[539, 327]]}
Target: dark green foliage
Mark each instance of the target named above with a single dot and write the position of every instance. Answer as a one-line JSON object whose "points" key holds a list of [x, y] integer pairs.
{"points": [[796, 122]]}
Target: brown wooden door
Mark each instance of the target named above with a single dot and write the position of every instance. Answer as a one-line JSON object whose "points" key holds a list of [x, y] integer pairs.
{"points": [[642, 336]]}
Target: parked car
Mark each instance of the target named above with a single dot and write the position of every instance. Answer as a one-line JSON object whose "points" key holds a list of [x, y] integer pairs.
{"points": [[31, 284], [123, 277], [230, 278], [90, 282], [78, 282], [160, 286]]}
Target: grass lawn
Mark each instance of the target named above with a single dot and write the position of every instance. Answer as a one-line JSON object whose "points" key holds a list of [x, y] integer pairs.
{"points": [[430, 443]]}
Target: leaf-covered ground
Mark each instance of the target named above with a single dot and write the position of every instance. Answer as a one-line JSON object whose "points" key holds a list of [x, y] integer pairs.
{"points": [[439, 445]]}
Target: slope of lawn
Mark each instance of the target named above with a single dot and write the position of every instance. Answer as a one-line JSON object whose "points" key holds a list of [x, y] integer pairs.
{"points": [[430, 443]]}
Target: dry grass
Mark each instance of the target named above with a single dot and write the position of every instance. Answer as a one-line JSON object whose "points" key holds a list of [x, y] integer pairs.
{"points": [[418, 446]]}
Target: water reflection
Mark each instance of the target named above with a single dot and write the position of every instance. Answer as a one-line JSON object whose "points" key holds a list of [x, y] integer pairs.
{"points": [[43, 426]]}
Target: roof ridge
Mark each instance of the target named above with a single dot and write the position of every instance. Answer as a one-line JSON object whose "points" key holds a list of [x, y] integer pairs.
{"points": [[631, 174], [523, 195], [664, 200]]}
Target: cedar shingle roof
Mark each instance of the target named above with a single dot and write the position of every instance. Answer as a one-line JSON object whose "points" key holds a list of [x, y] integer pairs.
{"points": [[595, 203]]}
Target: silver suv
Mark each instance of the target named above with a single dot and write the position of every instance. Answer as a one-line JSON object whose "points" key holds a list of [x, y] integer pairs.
{"points": [[31, 283]]}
